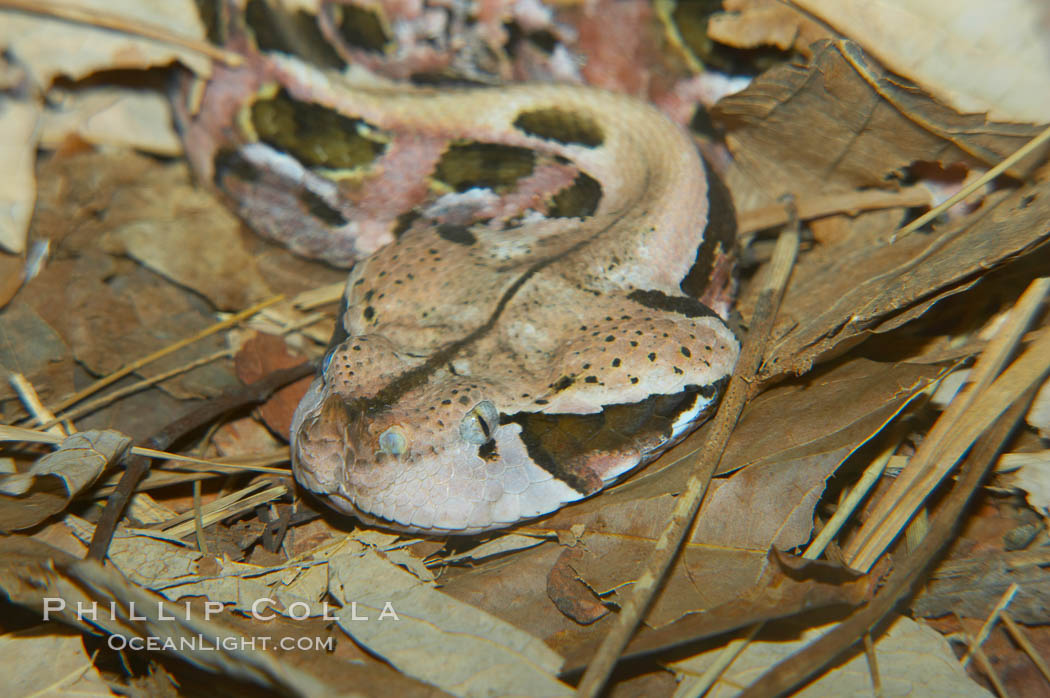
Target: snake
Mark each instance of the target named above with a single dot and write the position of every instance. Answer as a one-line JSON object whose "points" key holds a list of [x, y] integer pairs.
{"points": [[540, 277]]}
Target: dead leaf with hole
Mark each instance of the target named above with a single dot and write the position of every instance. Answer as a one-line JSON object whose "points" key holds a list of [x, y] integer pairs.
{"points": [[54, 479]]}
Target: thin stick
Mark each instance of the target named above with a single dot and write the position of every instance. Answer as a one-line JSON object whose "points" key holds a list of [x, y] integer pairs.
{"points": [[806, 663], [849, 203], [138, 466], [989, 623], [124, 25], [973, 186], [236, 507], [1021, 639], [986, 667], [198, 523], [726, 657], [113, 396], [845, 510], [31, 400], [956, 428], [873, 665], [666, 548], [139, 363], [9, 433]]}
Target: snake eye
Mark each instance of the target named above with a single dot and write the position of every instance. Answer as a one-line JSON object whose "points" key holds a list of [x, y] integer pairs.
{"points": [[479, 423], [392, 441]]}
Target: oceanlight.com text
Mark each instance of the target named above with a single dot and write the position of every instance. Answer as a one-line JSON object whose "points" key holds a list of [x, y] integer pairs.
{"points": [[202, 643]]}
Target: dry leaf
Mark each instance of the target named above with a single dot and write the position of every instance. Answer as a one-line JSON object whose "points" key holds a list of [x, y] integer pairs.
{"points": [[1032, 476], [914, 660], [571, 594], [54, 479], [182, 232], [49, 662], [491, 548], [147, 561], [116, 116], [49, 47], [1039, 413], [40, 577], [260, 355], [438, 639], [840, 121], [515, 589], [974, 56], [870, 285], [789, 585], [972, 586], [755, 23], [31, 347], [788, 441]]}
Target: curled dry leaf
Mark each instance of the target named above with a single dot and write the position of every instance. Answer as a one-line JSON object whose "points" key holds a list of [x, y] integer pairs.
{"points": [[756, 23], [53, 480], [569, 593]]}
